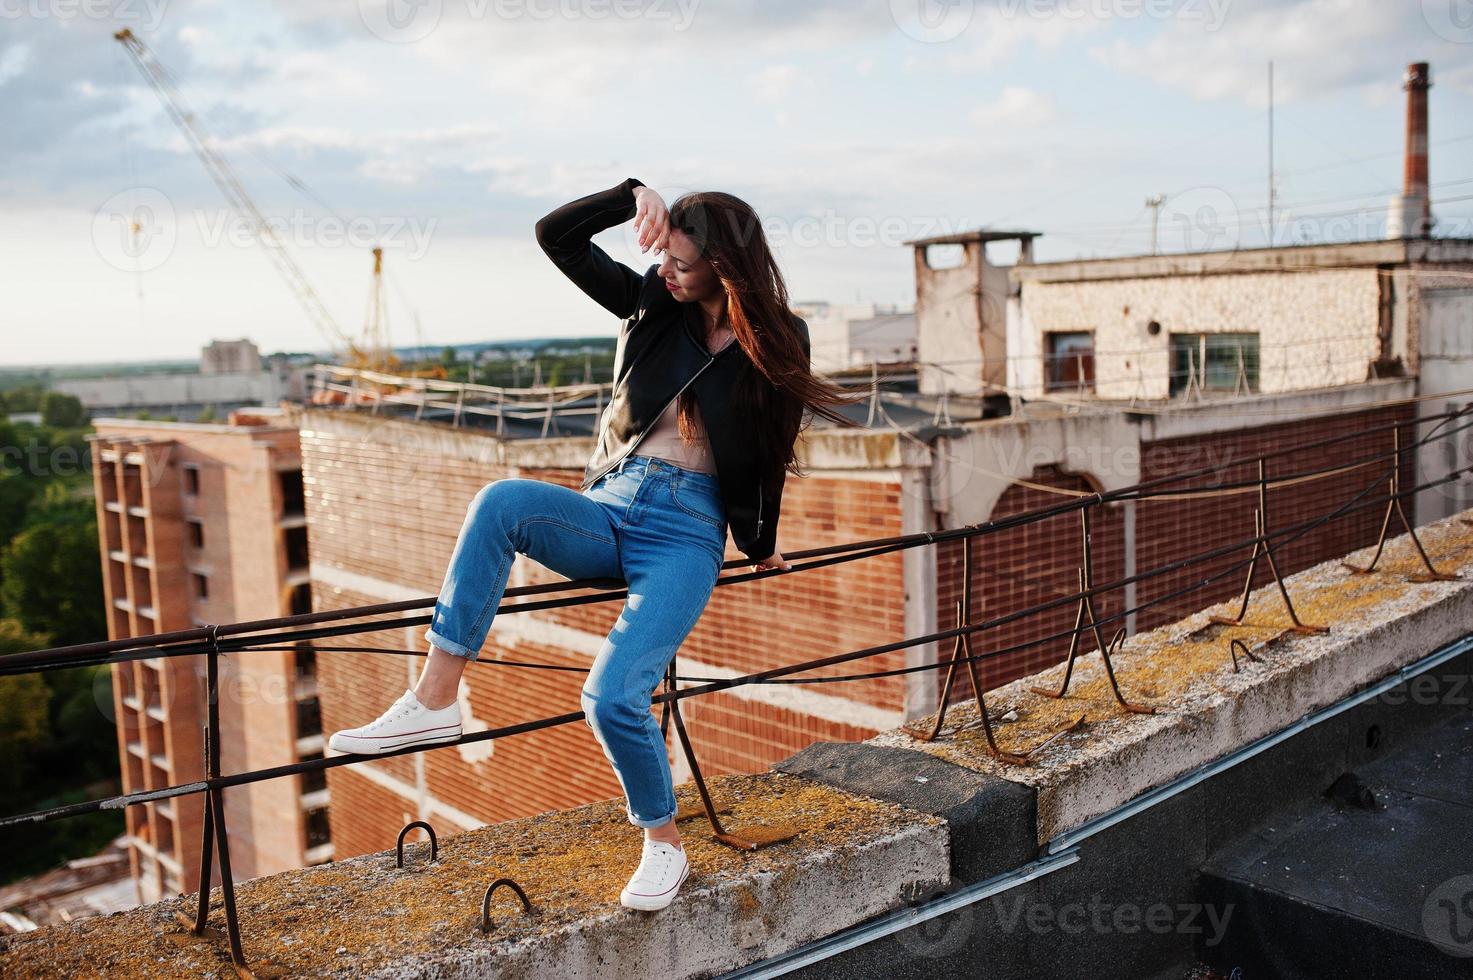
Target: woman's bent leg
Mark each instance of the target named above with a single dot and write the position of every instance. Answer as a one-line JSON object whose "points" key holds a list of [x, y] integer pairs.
{"points": [[554, 525], [667, 593]]}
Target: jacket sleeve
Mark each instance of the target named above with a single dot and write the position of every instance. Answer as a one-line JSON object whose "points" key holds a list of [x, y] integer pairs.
{"points": [[772, 499], [566, 236]]}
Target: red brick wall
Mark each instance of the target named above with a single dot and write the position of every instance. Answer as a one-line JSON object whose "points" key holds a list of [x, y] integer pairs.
{"points": [[1031, 564], [1026, 566], [1168, 530], [393, 514]]}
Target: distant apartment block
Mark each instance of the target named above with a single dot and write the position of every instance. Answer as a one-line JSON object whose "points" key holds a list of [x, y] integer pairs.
{"points": [[231, 376], [204, 524], [230, 357], [850, 335]]}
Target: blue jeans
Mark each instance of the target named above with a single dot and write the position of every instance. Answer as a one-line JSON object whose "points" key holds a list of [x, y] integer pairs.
{"points": [[660, 528]]}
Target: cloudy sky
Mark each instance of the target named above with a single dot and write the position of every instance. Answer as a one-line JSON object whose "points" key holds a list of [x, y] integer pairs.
{"points": [[442, 129]]}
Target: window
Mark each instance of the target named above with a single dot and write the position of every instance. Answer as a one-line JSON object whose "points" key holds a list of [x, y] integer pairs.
{"points": [[196, 534], [293, 499], [306, 661], [191, 480], [296, 547], [309, 717], [201, 586], [1069, 360], [301, 600], [313, 779], [318, 829], [1219, 361]]}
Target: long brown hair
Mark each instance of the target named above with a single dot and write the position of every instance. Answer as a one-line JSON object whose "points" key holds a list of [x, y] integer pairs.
{"points": [[777, 382]]}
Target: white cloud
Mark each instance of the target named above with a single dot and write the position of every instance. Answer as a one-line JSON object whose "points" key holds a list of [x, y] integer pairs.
{"points": [[13, 61], [1016, 108], [773, 83], [1318, 46]]}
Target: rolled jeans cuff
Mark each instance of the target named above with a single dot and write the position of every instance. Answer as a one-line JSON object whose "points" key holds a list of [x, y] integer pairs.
{"points": [[450, 646], [651, 823]]}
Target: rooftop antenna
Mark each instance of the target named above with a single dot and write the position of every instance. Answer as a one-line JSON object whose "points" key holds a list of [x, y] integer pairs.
{"points": [[1270, 153]]}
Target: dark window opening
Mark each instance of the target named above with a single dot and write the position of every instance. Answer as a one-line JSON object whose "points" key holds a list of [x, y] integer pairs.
{"points": [[309, 717], [318, 830], [313, 779], [296, 547], [293, 496], [1217, 361], [201, 586], [1069, 361], [197, 534], [301, 601], [306, 658], [191, 480]]}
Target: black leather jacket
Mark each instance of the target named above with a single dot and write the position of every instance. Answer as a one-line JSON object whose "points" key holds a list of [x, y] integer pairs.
{"points": [[661, 349]]}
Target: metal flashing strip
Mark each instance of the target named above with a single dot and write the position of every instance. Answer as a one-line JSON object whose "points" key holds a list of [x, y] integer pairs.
{"points": [[1071, 838], [901, 919], [1063, 850]]}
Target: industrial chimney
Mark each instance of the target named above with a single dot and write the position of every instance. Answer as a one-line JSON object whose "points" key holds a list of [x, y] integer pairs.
{"points": [[1411, 213]]}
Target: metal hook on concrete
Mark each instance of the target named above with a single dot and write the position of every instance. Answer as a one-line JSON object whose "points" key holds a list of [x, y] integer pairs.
{"points": [[399, 846], [486, 901], [1233, 646]]}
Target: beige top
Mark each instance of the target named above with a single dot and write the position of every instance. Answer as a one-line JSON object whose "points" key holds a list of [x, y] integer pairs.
{"points": [[663, 440]]}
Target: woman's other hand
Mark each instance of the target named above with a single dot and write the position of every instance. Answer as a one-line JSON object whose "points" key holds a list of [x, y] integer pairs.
{"points": [[775, 560], [651, 220]]}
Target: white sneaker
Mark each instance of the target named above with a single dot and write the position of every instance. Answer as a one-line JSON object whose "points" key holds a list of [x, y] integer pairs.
{"points": [[661, 869], [407, 722]]}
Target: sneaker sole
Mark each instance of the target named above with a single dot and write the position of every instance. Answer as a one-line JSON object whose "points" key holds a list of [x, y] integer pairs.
{"points": [[378, 748], [651, 903]]}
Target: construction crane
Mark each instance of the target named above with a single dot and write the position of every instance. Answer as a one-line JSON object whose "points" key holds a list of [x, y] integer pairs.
{"points": [[372, 352]]}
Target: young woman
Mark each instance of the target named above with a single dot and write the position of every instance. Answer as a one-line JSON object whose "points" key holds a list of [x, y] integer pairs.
{"points": [[712, 380]]}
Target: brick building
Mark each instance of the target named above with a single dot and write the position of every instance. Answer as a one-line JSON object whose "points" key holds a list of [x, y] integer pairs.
{"points": [[205, 524]]}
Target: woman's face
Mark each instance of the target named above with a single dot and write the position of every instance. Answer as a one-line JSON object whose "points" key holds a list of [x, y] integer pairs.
{"points": [[687, 275]]}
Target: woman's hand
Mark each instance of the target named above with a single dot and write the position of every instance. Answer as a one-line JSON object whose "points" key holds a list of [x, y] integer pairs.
{"points": [[651, 220], [775, 560]]}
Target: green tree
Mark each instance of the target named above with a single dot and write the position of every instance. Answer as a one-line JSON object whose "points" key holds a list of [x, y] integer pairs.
{"points": [[58, 748], [50, 581], [62, 411], [23, 398], [16, 492], [25, 724]]}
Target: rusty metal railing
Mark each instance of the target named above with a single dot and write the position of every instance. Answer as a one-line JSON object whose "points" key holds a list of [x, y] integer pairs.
{"points": [[214, 641]]}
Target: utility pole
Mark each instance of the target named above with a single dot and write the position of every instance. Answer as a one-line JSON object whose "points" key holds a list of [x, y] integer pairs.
{"points": [[1155, 203]]}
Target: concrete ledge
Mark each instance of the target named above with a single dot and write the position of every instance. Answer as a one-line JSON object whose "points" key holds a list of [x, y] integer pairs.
{"points": [[880, 823], [362, 917], [991, 820], [1379, 623]]}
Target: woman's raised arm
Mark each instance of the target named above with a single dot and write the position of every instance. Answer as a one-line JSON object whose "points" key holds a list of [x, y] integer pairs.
{"points": [[566, 236]]}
